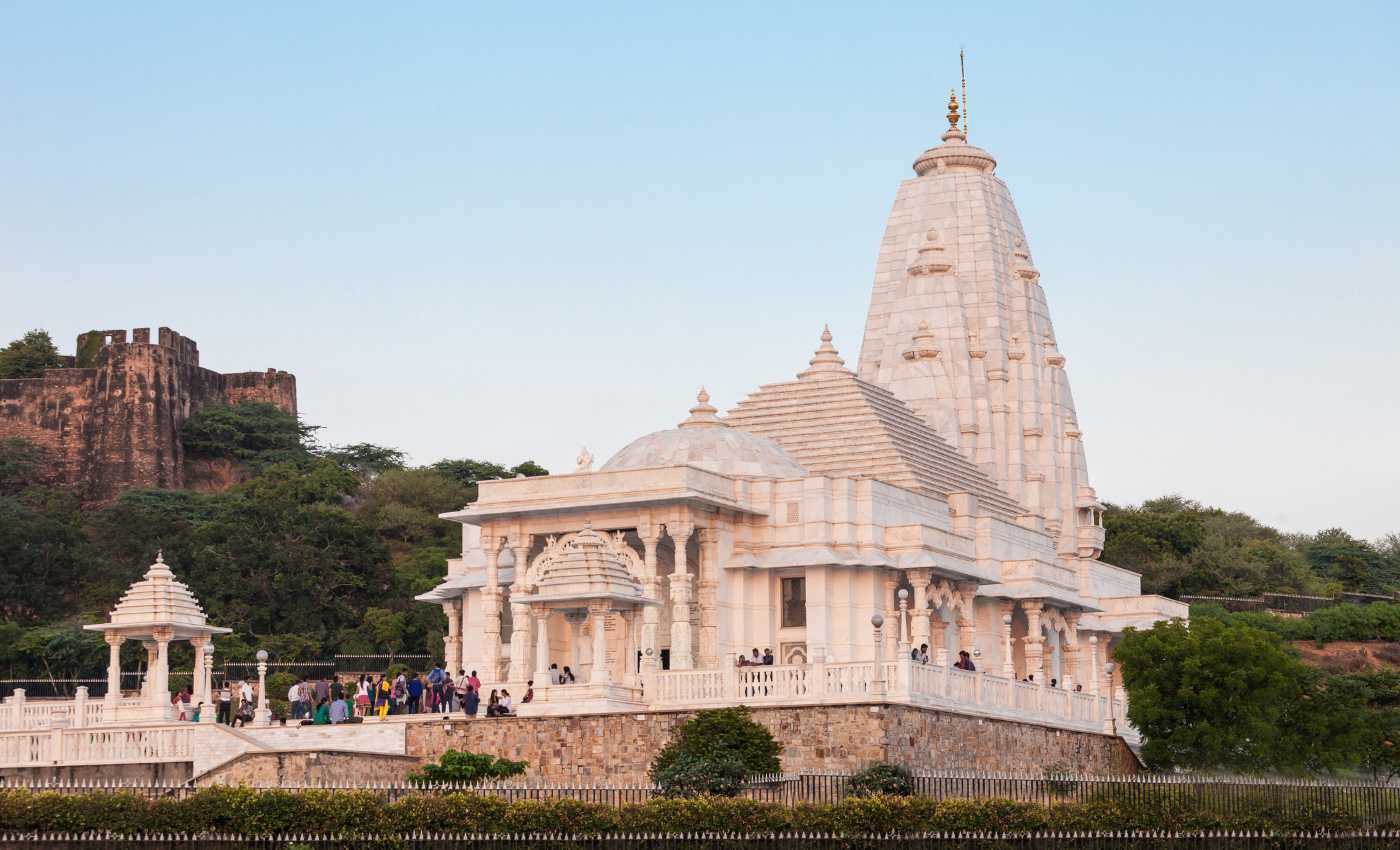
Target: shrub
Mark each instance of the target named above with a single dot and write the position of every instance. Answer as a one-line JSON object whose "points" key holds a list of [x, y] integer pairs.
{"points": [[723, 732], [692, 776], [881, 778], [457, 766]]}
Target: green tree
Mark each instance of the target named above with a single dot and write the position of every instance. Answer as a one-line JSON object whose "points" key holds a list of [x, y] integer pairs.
{"points": [[1210, 695], [366, 459], [717, 734], [1355, 563], [456, 766], [470, 472], [29, 356], [251, 432]]}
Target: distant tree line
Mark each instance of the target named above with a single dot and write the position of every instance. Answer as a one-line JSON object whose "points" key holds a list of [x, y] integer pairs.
{"points": [[318, 549], [1184, 548]]}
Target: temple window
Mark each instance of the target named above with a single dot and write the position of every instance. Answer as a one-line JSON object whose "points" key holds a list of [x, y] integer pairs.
{"points": [[794, 603]]}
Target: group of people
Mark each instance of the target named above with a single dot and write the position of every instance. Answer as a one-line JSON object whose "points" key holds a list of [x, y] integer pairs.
{"points": [[756, 660], [1054, 683], [330, 701], [233, 705], [964, 662]]}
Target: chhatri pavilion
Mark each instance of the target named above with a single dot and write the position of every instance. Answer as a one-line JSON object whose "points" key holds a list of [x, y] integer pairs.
{"points": [[937, 494]]}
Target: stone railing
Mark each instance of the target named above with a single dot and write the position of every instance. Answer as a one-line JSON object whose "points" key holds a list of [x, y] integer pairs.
{"points": [[19, 713], [904, 681], [103, 745]]}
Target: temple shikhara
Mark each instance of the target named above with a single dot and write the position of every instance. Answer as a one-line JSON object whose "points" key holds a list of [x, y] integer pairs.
{"points": [[935, 495]]}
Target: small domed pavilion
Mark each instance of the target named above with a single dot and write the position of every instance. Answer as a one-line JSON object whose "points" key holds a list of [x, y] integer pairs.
{"points": [[157, 610]]}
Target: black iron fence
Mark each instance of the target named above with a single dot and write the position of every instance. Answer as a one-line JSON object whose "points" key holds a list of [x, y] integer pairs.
{"points": [[1287, 603], [1361, 840], [1371, 804]]}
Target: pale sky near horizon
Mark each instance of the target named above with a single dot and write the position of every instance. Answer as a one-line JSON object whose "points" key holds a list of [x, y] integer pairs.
{"points": [[473, 231]]}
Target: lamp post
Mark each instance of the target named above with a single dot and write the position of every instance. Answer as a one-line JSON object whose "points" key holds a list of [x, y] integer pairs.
{"points": [[877, 684], [903, 643], [1008, 666], [263, 716], [1110, 724], [209, 713]]}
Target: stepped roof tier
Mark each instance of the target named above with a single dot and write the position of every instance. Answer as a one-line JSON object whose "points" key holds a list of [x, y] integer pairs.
{"points": [[834, 423], [158, 601]]}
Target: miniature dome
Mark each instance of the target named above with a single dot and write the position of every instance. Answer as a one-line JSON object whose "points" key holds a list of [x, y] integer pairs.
{"points": [[158, 598], [706, 441], [587, 565]]}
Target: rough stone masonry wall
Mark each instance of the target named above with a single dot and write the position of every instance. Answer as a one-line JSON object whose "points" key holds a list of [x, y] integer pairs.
{"points": [[620, 747], [115, 424]]}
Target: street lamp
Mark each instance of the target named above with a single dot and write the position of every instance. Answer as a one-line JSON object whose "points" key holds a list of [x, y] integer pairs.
{"points": [[903, 642], [208, 714], [877, 683], [263, 716], [1008, 666]]}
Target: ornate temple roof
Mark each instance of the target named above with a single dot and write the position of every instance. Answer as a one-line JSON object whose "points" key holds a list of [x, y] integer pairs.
{"points": [[158, 600], [706, 441], [586, 565], [834, 423]]}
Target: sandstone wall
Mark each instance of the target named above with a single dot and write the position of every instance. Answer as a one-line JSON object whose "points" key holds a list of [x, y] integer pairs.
{"points": [[115, 423], [620, 747], [159, 773], [291, 769]]}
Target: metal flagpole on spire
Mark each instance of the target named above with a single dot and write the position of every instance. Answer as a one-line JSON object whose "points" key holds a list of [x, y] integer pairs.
{"points": [[962, 71]]}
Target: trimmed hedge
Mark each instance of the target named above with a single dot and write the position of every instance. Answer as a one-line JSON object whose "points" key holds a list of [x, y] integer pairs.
{"points": [[252, 812]]}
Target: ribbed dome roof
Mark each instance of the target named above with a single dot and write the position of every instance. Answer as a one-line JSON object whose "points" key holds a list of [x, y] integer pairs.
{"points": [[585, 566], [705, 441]]}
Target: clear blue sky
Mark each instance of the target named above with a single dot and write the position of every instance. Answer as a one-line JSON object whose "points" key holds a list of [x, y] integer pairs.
{"points": [[476, 231]]}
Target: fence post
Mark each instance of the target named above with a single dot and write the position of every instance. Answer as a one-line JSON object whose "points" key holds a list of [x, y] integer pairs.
{"points": [[816, 677], [731, 683], [80, 700]]}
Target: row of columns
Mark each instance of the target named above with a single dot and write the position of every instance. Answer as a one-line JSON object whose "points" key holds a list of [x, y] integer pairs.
{"points": [[529, 634]]}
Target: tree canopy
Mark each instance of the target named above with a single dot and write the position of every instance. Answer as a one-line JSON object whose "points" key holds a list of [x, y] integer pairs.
{"points": [[1184, 548], [316, 550], [1220, 694], [29, 356]]}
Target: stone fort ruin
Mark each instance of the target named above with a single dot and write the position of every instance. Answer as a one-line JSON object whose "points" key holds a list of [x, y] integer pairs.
{"points": [[110, 418]]}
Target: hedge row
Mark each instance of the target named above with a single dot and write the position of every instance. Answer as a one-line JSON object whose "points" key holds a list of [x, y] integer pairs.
{"points": [[251, 812]]}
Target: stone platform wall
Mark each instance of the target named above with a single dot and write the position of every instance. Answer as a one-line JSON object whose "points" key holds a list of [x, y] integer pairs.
{"points": [[620, 747]]}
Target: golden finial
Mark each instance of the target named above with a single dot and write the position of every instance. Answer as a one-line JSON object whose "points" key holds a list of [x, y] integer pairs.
{"points": [[952, 109]]}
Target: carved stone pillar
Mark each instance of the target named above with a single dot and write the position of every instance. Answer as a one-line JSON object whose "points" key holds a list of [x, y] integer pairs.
{"points": [[1093, 676], [599, 675], [709, 598], [197, 693], [1008, 661], [920, 628], [967, 620], [160, 689], [651, 614], [681, 657], [114, 672], [491, 610], [889, 609], [541, 618], [1034, 642], [452, 641], [522, 630], [1069, 671]]}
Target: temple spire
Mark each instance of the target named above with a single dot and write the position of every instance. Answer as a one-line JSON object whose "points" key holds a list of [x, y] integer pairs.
{"points": [[702, 415], [826, 359]]}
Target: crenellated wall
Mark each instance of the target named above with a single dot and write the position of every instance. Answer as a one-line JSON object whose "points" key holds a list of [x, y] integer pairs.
{"points": [[112, 421]]}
